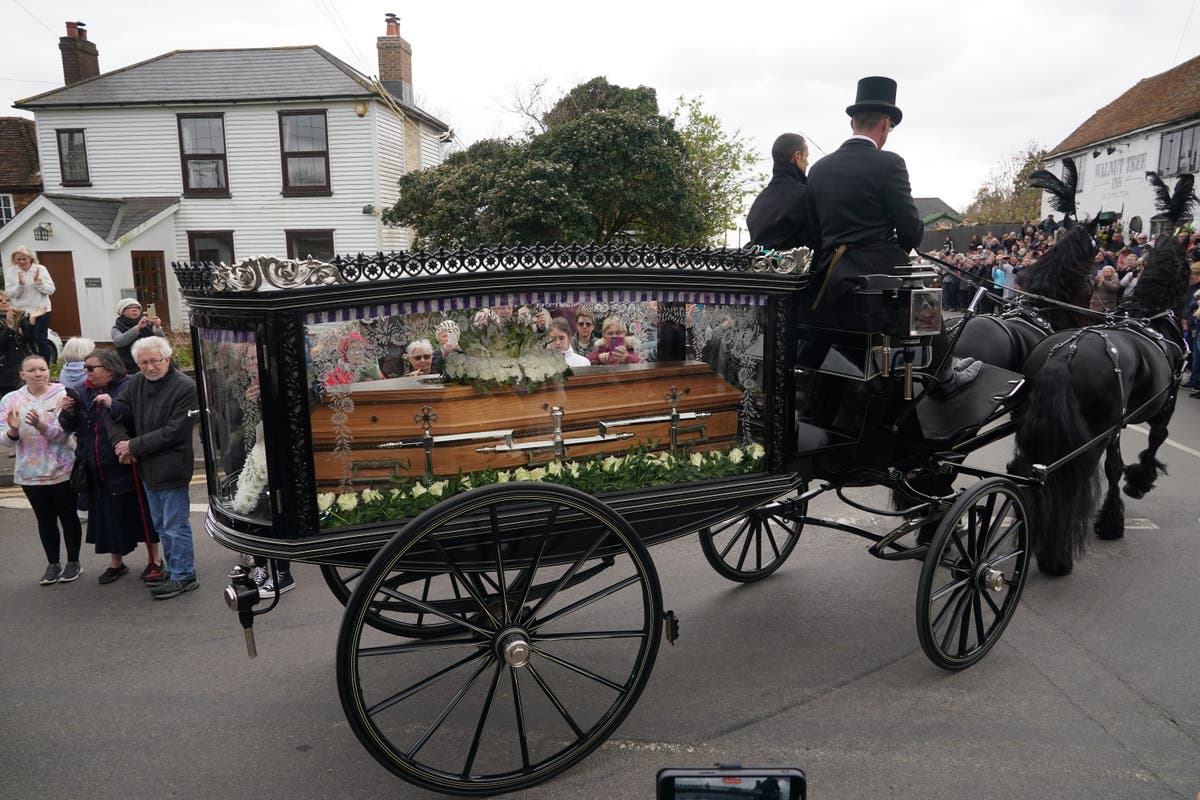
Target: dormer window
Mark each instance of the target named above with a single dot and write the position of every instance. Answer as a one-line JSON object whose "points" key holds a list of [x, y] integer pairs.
{"points": [[202, 154]]}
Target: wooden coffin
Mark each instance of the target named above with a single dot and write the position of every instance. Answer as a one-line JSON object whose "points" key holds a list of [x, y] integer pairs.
{"points": [[504, 429]]}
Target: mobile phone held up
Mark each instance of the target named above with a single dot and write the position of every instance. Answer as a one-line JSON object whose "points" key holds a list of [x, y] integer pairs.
{"points": [[731, 780], [151, 312]]}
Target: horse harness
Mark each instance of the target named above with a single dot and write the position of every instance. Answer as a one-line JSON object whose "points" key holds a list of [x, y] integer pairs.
{"points": [[1138, 327]]}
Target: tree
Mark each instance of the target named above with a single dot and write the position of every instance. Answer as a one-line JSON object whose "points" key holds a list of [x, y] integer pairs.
{"points": [[605, 167], [1005, 195], [719, 176]]}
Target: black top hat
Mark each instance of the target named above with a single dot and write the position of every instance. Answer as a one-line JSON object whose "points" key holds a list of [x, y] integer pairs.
{"points": [[877, 94]]}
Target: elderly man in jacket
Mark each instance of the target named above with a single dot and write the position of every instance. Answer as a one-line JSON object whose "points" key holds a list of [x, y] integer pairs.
{"points": [[158, 400]]}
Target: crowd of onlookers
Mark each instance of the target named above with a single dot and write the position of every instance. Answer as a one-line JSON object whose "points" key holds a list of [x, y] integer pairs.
{"points": [[998, 263], [109, 442]]}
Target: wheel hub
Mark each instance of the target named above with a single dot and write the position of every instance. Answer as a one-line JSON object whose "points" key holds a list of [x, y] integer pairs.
{"points": [[512, 646], [991, 578]]}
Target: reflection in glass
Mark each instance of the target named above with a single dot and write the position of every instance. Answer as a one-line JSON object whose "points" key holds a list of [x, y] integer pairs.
{"points": [[415, 402], [230, 381]]}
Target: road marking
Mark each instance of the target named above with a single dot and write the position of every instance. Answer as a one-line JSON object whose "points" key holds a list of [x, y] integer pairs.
{"points": [[1146, 432], [1139, 524]]}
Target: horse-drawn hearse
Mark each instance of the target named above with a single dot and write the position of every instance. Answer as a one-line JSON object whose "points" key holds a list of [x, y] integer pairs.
{"points": [[488, 523]]}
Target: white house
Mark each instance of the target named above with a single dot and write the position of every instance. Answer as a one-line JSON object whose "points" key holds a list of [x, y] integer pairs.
{"points": [[1155, 125], [216, 155]]}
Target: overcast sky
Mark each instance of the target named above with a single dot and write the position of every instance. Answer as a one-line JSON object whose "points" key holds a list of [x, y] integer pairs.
{"points": [[977, 80]]}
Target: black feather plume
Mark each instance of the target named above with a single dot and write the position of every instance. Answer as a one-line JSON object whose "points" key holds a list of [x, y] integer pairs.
{"points": [[1062, 191], [1174, 205]]}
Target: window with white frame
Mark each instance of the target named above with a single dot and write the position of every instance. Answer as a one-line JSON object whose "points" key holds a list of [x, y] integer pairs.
{"points": [[7, 209]]}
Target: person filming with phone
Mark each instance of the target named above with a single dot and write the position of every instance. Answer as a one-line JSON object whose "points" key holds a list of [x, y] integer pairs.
{"points": [[614, 346], [132, 325]]}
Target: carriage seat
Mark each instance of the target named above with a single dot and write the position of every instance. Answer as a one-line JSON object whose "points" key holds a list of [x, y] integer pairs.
{"points": [[962, 414]]}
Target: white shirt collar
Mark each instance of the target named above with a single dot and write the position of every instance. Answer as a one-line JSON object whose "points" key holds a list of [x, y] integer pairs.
{"points": [[865, 139]]}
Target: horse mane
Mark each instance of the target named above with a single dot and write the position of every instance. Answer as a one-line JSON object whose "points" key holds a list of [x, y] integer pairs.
{"points": [[1163, 285], [1063, 273]]}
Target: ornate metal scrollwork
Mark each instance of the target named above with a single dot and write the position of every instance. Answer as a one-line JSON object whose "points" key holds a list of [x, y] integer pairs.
{"points": [[797, 260], [278, 273]]}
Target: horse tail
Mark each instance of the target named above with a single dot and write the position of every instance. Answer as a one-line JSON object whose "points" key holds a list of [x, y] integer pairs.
{"points": [[1051, 426]]}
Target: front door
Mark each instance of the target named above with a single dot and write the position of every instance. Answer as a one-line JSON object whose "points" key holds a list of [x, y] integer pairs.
{"points": [[150, 278], [64, 303]]}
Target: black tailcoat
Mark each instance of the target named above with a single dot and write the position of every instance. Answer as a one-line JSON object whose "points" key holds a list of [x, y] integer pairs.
{"points": [[860, 196]]}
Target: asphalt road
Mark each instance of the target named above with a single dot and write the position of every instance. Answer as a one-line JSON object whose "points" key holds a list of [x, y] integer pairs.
{"points": [[1092, 692]]}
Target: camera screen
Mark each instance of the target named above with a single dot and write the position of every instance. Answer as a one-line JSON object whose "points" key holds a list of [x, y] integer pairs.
{"points": [[697, 787]]}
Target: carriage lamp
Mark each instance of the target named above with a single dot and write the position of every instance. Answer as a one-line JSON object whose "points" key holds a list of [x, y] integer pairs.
{"points": [[43, 232]]}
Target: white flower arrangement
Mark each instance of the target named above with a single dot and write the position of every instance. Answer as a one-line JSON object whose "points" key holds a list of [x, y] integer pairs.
{"points": [[497, 352], [637, 469], [252, 480]]}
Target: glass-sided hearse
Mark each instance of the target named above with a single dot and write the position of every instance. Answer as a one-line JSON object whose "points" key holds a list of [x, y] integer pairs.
{"points": [[483, 503]]}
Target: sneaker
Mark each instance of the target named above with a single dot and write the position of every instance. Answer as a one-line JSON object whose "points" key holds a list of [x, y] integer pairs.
{"points": [[259, 575], [172, 588], [51, 575], [70, 572], [112, 573], [150, 569], [267, 590]]}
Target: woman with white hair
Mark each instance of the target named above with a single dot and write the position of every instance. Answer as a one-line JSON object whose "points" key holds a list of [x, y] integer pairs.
{"points": [[74, 352], [28, 285], [420, 357], [130, 326]]}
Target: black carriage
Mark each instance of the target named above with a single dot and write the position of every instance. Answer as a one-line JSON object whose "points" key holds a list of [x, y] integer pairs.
{"points": [[487, 522]]}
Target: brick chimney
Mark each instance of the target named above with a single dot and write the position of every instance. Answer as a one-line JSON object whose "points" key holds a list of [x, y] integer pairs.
{"points": [[80, 58], [395, 61]]}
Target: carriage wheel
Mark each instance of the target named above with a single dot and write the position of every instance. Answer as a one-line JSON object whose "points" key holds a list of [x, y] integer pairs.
{"points": [[524, 687], [973, 574], [441, 591], [751, 546]]}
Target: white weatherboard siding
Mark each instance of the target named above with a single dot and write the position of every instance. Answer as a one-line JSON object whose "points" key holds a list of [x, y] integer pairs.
{"points": [[431, 147], [390, 130], [259, 214]]}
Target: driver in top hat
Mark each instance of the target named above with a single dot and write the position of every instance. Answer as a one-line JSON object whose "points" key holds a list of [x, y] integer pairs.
{"points": [[861, 201]]}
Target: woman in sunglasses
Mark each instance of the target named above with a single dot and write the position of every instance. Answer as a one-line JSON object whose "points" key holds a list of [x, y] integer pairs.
{"points": [[118, 517], [420, 358]]}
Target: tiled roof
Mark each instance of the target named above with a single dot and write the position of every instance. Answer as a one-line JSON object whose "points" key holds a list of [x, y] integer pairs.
{"points": [[927, 206], [110, 218], [18, 154], [1171, 96], [217, 76]]}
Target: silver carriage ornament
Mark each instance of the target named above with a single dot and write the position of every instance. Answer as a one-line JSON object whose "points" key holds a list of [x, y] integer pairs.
{"points": [[278, 273], [796, 261]]}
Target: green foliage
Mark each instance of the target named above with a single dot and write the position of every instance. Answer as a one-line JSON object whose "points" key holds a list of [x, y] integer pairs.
{"points": [[719, 175], [1006, 195], [607, 167], [639, 469]]}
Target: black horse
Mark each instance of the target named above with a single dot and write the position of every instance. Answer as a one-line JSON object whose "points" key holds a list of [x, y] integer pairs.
{"points": [[1084, 383]]}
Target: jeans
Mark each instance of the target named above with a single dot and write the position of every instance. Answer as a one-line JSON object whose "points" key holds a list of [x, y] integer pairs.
{"points": [[170, 509]]}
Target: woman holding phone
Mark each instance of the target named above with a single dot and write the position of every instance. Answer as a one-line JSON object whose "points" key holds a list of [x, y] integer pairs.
{"points": [[614, 346], [130, 326]]}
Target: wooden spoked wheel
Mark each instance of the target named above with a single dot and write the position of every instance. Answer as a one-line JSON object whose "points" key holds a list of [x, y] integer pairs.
{"points": [[751, 546], [973, 574], [523, 687]]}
